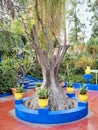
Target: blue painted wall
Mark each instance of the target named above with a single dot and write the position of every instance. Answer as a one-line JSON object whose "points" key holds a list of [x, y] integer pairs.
{"points": [[45, 116]]}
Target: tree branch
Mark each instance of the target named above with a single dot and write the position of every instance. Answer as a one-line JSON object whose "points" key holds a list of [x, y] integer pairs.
{"points": [[42, 54], [56, 38], [60, 55], [3, 30], [44, 31]]}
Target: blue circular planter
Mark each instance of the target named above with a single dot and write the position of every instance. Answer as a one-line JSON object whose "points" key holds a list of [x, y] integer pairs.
{"points": [[5, 94], [45, 116]]}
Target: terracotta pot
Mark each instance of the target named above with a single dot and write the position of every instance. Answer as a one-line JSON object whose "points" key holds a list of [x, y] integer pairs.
{"points": [[13, 90]]}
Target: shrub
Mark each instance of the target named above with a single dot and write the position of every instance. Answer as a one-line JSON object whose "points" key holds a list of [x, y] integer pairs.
{"points": [[35, 71], [8, 77]]}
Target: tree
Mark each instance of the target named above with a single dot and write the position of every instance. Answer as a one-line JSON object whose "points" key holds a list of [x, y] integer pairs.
{"points": [[93, 8], [42, 26], [74, 24], [50, 57]]}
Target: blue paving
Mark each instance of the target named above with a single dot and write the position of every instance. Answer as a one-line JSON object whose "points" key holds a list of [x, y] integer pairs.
{"points": [[31, 81]]}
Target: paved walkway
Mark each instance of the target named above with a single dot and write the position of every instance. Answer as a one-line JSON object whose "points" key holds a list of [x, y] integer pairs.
{"points": [[8, 120]]}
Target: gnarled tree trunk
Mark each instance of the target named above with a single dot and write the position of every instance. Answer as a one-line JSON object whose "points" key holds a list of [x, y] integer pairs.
{"points": [[58, 99], [50, 64]]}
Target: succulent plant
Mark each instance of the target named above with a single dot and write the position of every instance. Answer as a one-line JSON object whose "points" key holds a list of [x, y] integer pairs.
{"points": [[43, 93], [83, 89]]}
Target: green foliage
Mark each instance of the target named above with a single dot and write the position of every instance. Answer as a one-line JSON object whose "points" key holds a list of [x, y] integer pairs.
{"points": [[7, 42], [31, 23], [52, 5], [74, 22], [43, 93], [38, 84], [78, 78], [17, 27], [24, 3], [93, 42], [95, 30], [36, 71], [8, 77], [74, 62], [83, 89], [20, 89], [28, 63], [70, 84], [78, 70], [23, 66], [43, 42], [78, 56], [23, 25], [93, 8]]}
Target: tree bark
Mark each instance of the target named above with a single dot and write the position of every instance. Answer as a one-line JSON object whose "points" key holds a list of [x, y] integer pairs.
{"points": [[58, 100]]}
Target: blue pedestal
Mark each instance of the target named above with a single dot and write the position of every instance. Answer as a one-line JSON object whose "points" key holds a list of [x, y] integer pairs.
{"points": [[88, 77], [71, 95]]}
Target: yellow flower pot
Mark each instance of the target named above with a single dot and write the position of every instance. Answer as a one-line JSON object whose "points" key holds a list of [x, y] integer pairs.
{"points": [[83, 97], [43, 103], [70, 89], [18, 95], [88, 70], [37, 88]]}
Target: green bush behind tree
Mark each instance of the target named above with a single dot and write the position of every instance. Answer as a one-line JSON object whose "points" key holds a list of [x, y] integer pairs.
{"points": [[8, 76]]}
